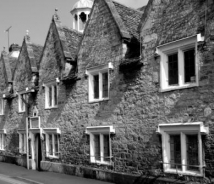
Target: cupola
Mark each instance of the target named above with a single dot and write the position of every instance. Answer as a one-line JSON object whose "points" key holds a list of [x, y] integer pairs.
{"points": [[80, 13]]}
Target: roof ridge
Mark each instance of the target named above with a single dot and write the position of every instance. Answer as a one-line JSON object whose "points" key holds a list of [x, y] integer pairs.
{"points": [[120, 24], [128, 7]]}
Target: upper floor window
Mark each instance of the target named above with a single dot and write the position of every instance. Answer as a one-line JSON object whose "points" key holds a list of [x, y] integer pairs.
{"points": [[21, 102], [178, 64], [51, 95], [100, 144], [1, 106], [182, 147], [98, 81]]}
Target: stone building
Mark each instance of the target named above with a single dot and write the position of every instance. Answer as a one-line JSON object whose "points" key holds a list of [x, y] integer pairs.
{"points": [[129, 100]]}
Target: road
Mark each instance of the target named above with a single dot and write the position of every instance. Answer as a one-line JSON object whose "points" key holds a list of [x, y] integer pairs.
{"points": [[13, 174]]}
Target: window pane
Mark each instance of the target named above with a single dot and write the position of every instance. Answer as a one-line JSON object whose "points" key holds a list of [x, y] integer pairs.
{"points": [[175, 151], [189, 65], [173, 69], [50, 96], [56, 145], [1, 141], [106, 148], [50, 145], [23, 143], [29, 146], [97, 147], [96, 86], [55, 96], [192, 152], [1, 106], [22, 102], [105, 85]]}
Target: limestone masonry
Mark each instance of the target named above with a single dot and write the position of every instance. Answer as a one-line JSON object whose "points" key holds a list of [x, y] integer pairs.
{"points": [[129, 100]]}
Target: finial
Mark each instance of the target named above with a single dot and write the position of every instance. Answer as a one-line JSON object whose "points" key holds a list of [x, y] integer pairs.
{"points": [[56, 16], [27, 37], [56, 10]]}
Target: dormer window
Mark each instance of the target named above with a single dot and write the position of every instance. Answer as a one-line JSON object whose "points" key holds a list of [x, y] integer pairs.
{"points": [[98, 81], [21, 102], [51, 95], [1, 106], [178, 64]]}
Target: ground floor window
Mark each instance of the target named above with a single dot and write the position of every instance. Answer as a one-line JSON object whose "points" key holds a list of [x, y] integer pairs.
{"points": [[52, 145], [22, 143], [2, 141], [100, 144], [182, 147]]}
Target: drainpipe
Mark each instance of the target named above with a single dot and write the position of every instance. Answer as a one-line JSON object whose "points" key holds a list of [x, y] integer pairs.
{"points": [[26, 123]]}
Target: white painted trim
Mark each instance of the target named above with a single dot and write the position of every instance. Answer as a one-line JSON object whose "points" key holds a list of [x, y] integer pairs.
{"points": [[3, 131], [52, 130], [47, 86], [195, 126], [20, 102], [100, 129], [98, 70], [35, 117], [21, 133], [2, 104], [178, 47], [53, 144], [182, 129]]}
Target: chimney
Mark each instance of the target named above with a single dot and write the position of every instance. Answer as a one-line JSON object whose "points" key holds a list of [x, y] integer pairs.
{"points": [[14, 50]]}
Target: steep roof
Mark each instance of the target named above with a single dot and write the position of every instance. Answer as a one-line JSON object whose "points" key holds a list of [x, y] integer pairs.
{"points": [[37, 52], [73, 38], [69, 39], [130, 17]]}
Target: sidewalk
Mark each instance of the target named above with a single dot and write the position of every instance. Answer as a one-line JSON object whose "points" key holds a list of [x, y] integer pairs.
{"points": [[35, 177]]}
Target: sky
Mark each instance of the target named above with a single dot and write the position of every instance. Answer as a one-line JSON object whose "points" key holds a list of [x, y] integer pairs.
{"points": [[35, 16]]}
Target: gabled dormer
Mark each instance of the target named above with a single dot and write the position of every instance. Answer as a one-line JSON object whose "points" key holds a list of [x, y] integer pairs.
{"points": [[25, 76], [59, 55], [7, 67]]}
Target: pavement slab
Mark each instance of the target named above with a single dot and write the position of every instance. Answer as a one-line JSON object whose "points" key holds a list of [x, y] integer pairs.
{"points": [[21, 174]]}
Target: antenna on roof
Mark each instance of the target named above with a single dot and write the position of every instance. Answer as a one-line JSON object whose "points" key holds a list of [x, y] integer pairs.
{"points": [[8, 30], [56, 10]]}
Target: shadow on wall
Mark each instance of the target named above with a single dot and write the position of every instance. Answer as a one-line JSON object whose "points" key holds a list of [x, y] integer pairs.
{"points": [[118, 87]]}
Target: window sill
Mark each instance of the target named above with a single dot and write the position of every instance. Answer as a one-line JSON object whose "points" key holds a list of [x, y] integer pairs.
{"points": [[190, 173], [101, 163], [52, 157], [48, 108], [179, 87], [2, 149], [21, 112], [1, 114], [98, 100]]}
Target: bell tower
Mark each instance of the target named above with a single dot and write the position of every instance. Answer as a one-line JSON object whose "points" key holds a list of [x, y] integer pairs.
{"points": [[80, 14]]}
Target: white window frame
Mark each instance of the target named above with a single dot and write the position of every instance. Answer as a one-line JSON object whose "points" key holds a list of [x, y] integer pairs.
{"points": [[2, 102], [182, 129], [20, 102], [52, 131], [47, 86], [22, 148], [2, 139], [99, 70], [101, 131], [179, 47]]}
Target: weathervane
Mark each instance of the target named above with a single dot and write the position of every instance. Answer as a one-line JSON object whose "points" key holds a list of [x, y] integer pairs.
{"points": [[8, 30]]}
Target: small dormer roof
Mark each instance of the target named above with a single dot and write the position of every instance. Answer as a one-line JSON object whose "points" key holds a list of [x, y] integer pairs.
{"points": [[82, 4]]}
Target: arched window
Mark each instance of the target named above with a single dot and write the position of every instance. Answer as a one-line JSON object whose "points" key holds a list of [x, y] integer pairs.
{"points": [[83, 19]]}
